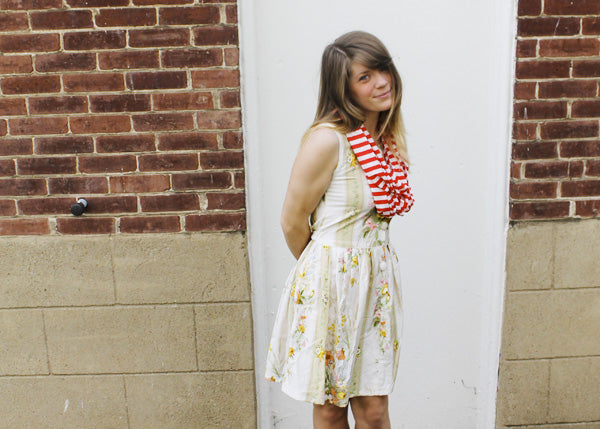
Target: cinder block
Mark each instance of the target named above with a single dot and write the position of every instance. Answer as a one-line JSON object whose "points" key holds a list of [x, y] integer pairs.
{"points": [[523, 392], [552, 323], [575, 390], [205, 400], [171, 268], [563, 426], [121, 340], [224, 336], [22, 344], [55, 271], [62, 402], [577, 254], [529, 256]]}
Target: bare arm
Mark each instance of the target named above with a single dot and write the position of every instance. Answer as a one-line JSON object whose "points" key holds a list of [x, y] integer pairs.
{"points": [[310, 178]]}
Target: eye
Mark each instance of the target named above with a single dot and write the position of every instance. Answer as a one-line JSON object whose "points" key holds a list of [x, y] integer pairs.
{"points": [[364, 77]]}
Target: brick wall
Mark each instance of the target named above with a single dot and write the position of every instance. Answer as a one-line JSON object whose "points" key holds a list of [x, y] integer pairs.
{"points": [[134, 105], [556, 140]]}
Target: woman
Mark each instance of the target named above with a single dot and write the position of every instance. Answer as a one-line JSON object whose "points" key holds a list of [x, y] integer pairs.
{"points": [[337, 331]]}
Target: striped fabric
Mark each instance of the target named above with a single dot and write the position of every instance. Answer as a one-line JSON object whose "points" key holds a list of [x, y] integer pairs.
{"points": [[386, 177]]}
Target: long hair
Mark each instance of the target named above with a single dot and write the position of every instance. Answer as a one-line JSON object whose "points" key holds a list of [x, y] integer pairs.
{"points": [[336, 105]]}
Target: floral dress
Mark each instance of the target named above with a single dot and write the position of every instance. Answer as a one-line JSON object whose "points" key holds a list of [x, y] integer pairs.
{"points": [[337, 330]]}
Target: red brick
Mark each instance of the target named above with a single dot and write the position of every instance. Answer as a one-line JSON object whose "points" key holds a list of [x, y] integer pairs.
{"points": [[592, 168], [61, 19], [163, 122], [54, 105], [586, 68], [548, 27], [156, 80], [159, 37], [97, 3], [85, 225], [100, 124], [8, 208], [7, 167], [183, 58], [12, 64], [525, 90], [128, 60], [189, 15], [187, 141], [239, 180], [577, 149], [233, 140], [569, 47], [200, 181], [569, 129], [93, 82], [140, 183], [24, 227], [525, 151], [158, 2], [526, 48], [524, 130], [530, 7], [219, 35], [30, 84], [547, 169], [78, 185], [19, 187], [29, 43], [65, 62], [540, 110], [587, 208], [50, 165], [515, 170], [182, 101], [107, 164], [591, 25], [169, 162], [63, 144], [120, 103], [29, 4], [126, 143], [232, 56], [231, 14], [90, 40], [219, 119], [149, 224], [117, 204], [230, 99], [585, 109], [225, 78], [216, 222], [567, 88], [12, 106], [15, 21], [45, 125], [3, 127], [570, 7], [18, 146], [533, 190], [222, 160], [542, 69], [125, 17], [539, 210], [575, 169], [41, 206], [580, 188], [226, 201], [169, 203]]}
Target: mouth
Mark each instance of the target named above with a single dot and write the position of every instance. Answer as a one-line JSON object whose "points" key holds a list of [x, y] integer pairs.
{"points": [[384, 95]]}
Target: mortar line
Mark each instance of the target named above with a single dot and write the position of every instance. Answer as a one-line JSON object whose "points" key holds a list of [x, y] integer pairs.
{"points": [[112, 267], [46, 343], [553, 358], [116, 374], [126, 402], [144, 304], [196, 338]]}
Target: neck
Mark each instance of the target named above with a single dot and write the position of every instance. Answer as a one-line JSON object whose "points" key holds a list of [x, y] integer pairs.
{"points": [[371, 123]]}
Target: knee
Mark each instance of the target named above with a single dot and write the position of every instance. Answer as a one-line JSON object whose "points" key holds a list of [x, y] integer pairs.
{"points": [[372, 413], [330, 413]]}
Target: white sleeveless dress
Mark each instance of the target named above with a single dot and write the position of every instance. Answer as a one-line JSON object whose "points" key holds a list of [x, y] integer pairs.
{"points": [[337, 330]]}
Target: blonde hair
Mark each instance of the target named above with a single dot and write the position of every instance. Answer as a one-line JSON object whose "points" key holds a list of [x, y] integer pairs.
{"points": [[336, 105]]}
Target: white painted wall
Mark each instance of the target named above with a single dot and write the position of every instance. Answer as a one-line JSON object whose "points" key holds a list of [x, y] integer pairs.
{"points": [[455, 59]]}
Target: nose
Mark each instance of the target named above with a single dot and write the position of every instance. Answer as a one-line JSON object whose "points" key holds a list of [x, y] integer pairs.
{"points": [[381, 78]]}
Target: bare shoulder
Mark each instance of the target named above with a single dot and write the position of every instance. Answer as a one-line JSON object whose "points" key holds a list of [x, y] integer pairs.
{"points": [[322, 146]]}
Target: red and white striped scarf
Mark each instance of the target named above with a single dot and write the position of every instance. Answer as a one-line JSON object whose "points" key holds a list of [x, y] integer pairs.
{"points": [[386, 175]]}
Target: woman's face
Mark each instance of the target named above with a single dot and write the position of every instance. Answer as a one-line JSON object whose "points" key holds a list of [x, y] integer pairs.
{"points": [[370, 89]]}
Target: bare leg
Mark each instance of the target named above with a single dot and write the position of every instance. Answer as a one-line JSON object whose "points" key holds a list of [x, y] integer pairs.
{"points": [[329, 416], [371, 412]]}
